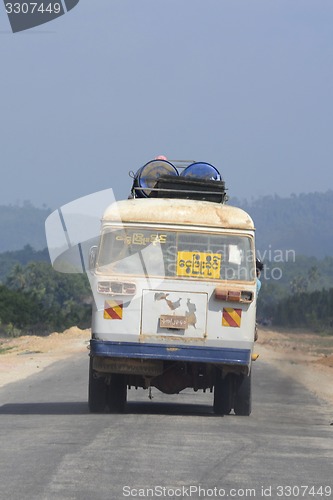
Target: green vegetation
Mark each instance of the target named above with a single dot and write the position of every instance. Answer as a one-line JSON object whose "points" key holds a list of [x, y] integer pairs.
{"points": [[294, 239], [9, 259], [36, 299], [310, 310], [4, 350], [302, 297]]}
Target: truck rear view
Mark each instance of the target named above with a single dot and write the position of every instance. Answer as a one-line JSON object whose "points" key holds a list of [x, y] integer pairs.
{"points": [[175, 301]]}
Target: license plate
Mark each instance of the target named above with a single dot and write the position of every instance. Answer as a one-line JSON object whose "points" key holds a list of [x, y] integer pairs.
{"points": [[128, 366], [174, 322]]}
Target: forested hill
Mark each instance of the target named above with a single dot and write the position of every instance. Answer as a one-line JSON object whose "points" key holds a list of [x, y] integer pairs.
{"points": [[22, 225], [302, 223]]}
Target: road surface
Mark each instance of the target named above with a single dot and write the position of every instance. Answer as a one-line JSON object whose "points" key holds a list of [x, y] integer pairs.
{"points": [[170, 447]]}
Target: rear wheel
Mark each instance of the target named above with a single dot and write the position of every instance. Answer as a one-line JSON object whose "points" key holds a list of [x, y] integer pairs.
{"points": [[223, 394], [243, 396], [97, 391], [117, 393]]}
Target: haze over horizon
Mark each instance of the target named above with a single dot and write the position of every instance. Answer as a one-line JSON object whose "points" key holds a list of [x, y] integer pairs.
{"points": [[244, 85], [242, 200]]}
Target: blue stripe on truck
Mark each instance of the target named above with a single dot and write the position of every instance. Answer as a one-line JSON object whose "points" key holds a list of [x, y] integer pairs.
{"points": [[169, 352]]}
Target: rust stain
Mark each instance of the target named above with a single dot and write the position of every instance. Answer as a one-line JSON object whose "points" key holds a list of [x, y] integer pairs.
{"points": [[164, 296], [191, 307], [191, 317]]}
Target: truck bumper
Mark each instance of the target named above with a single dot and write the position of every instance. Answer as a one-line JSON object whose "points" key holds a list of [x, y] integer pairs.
{"points": [[195, 354]]}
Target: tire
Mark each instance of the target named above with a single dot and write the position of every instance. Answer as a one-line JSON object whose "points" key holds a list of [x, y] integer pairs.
{"points": [[117, 394], [243, 396], [223, 394], [97, 391]]}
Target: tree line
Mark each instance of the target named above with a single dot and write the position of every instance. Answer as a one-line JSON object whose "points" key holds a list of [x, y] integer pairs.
{"points": [[312, 310], [303, 297], [36, 299]]}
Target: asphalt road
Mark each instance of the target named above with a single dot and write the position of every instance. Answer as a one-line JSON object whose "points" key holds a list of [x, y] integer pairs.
{"points": [[170, 447]]}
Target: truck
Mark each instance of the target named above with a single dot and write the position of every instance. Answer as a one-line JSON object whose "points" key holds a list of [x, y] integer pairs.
{"points": [[174, 280]]}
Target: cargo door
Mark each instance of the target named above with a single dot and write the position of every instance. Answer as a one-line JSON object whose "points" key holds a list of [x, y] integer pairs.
{"points": [[182, 314]]}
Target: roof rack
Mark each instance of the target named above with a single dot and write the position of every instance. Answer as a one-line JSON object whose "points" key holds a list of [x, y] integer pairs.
{"points": [[179, 179]]}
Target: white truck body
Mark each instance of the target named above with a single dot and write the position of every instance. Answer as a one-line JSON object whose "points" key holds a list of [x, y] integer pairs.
{"points": [[175, 302]]}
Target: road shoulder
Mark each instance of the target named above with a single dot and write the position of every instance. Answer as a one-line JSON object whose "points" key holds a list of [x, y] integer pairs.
{"points": [[306, 357]]}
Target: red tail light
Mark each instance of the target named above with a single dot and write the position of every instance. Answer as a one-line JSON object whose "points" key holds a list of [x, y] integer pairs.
{"points": [[233, 295]]}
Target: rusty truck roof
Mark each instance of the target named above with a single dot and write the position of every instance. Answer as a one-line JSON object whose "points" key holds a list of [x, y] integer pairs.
{"points": [[178, 211]]}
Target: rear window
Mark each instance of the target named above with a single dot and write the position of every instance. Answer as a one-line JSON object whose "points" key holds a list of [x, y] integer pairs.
{"points": [[176, 254]]}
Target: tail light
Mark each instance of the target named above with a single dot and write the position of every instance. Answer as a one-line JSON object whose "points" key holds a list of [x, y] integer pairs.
{"points": [[233, 295]]}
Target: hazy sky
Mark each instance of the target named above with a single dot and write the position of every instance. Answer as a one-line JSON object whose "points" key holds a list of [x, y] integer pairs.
{"points": [[243, 84]]}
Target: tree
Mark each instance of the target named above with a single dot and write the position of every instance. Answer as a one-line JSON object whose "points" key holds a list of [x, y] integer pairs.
{"points": [[16, 279], [63, 300], [299, 284]]}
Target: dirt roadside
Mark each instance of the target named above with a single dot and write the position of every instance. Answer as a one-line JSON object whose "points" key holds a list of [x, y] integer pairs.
{"points": [[24, 356], [306, 357]]}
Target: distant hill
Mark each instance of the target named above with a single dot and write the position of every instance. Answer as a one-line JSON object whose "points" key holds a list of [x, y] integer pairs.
{"points": [[22, 225], [302, 223]]}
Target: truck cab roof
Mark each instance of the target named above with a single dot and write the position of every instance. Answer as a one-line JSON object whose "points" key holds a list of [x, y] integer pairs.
{"points": [[178, 211]]}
